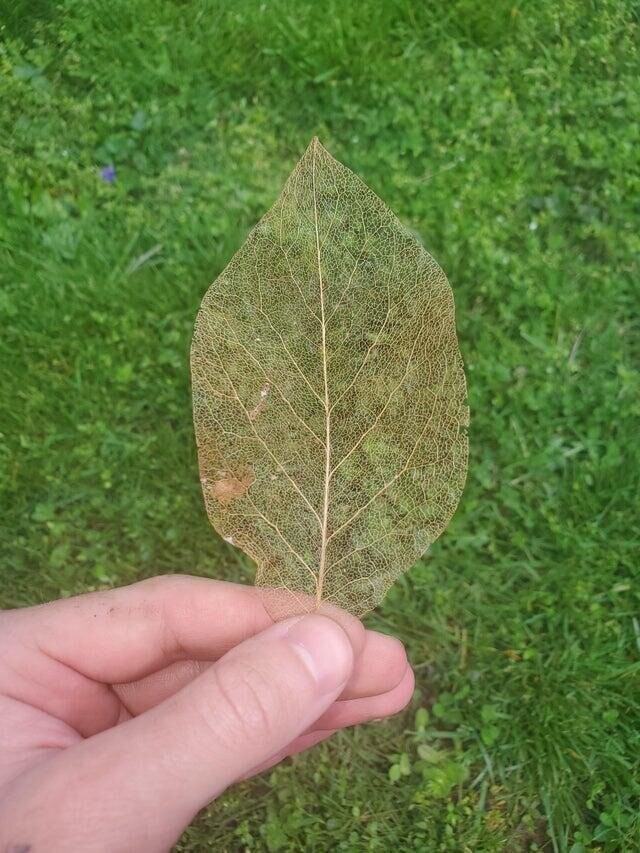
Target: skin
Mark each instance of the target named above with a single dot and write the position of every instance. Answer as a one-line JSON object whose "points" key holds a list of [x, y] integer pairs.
{"points": [[123, 713]]}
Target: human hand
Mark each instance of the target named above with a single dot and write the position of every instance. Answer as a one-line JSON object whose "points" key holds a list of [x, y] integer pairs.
{"points": [[123, 713]]}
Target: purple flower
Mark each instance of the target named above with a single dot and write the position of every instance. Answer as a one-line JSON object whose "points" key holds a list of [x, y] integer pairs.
{"points": [[108, 173]]}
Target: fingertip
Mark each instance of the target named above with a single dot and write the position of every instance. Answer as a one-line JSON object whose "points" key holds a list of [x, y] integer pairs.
{"points": [[407, 687], [325, 649], [390, 651], [349, 712], [350, 624], [379, 668]]}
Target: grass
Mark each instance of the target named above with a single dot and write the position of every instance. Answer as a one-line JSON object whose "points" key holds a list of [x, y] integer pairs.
{"points": [[504, 135]]}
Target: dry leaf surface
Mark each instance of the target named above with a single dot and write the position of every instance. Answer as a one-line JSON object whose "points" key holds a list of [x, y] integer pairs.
{"points": [[329, 393]]}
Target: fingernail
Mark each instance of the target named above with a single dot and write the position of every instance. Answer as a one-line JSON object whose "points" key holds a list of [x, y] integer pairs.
{"points": [[325, 650]]}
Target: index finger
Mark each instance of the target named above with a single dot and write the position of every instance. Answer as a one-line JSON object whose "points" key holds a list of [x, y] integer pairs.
{"points": [[126, 633]]}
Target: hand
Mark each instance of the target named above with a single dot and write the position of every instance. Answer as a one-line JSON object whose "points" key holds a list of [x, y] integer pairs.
{"points": [[123, 713]]}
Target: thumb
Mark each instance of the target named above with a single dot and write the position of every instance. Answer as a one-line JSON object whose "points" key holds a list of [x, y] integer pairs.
{"points": [[154, 772], [257, 699]]}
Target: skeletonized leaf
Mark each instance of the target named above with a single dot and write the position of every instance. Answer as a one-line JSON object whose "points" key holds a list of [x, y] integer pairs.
{"points": [[329, 393]]}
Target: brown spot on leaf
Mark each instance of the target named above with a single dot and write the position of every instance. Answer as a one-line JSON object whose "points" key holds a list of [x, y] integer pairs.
{"points": [[257, 410], [261, 405], [228, 487]]}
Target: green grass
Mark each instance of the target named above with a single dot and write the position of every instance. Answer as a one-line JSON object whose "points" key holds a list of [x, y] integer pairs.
{"points": [[502, 133]]}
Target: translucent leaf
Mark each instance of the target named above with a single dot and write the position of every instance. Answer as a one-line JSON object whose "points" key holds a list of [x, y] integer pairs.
{"points": [[329, 394]]}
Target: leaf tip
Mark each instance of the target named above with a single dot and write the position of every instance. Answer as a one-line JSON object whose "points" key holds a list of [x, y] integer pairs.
{"points": [[315, 145]]}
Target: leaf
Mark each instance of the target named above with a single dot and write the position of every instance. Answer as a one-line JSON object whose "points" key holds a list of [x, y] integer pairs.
{"points": [[421, 719], [430, 754], [329, 394], [441, 779], [489, 734], [395, 773]]}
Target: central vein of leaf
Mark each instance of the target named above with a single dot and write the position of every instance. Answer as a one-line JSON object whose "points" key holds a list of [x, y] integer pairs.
{"points": [[327, 407]]}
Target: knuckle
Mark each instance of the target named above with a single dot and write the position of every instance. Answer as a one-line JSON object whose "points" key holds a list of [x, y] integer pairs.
{"points": [[243, 705], [9, 622], [5, 621], [163, 583]]}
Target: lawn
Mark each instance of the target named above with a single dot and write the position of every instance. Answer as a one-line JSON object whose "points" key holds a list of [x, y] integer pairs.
{"points": [[503, 135]]}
